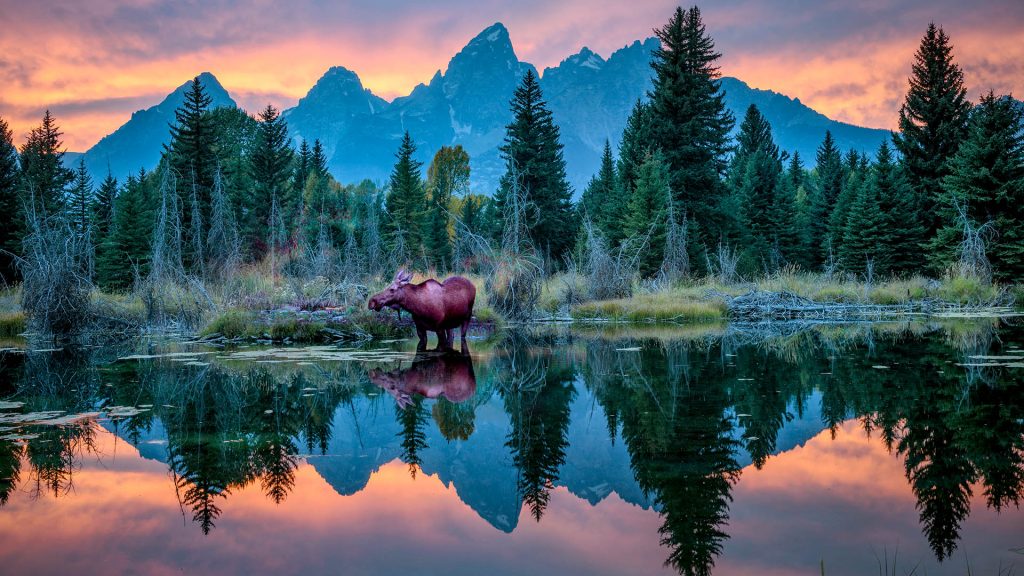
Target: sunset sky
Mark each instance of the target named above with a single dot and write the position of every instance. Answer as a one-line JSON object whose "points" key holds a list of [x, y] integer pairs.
{"points": [[95, 62]]}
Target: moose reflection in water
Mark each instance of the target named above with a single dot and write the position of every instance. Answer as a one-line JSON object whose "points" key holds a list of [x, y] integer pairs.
{"points": [[691, 412]]}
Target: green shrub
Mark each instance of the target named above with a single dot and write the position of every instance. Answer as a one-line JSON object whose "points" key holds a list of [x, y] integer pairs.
{"points": [[967, 290], [297, 330], [12, 324], [234, 323]]}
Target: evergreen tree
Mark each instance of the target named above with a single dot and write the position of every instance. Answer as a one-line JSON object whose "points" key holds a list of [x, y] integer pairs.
{"points": [[902, 237], [10, 205], [987, 180], [302, 168], [43, 175], [318, 160], [633, 150], [406, 201], [471, 215], [854, 172], [933, 119], [192, 160], [691, 124], [828, 185], [863, 231], [601, 198], [271, 198], [447, 176], [648, 209], [80, 199], [533, 155], [795, 189], [103, 207], [127, 247], [766, 207]]}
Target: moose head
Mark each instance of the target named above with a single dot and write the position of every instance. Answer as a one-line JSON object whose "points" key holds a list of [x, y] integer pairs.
{"points": [[391, 295]]}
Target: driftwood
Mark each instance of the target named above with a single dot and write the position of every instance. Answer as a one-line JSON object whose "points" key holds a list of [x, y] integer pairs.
{"points": [[763, 305]]}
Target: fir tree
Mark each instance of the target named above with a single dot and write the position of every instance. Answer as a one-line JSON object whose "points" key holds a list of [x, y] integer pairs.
{"points": [[127, 248], [690, 123], [43, 175], [902, 237], [80, 199], [853, 171], [10, 205], [933, 119], [271, 163], [302, 167], [794, 184], [192, 160], [533, 154], [633, 150], [767, 210], [648, 209], [863, 231], [318, 160], [447, 176], [987, 180], [601, 199], [470, 215], [103, 207], [828, 185], [406, 201]]}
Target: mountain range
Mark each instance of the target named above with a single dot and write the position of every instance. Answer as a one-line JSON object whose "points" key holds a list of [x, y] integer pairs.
{"points": [[468, 103]]}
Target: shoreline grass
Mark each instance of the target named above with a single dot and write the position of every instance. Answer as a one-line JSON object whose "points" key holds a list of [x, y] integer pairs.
{"points": [[655, 307]]}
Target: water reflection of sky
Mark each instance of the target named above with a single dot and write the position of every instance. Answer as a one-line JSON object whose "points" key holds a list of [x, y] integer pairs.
{"points": [[843, 501]]}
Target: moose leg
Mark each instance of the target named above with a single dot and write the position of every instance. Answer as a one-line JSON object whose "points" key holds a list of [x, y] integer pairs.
{"points": [[464, 331], [421, 332]]}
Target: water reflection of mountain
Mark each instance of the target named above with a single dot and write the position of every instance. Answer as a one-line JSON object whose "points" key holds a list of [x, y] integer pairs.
{"points": [[664, 423]]}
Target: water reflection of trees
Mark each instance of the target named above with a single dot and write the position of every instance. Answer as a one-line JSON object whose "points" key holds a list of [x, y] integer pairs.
{"points": [[688, 411]]}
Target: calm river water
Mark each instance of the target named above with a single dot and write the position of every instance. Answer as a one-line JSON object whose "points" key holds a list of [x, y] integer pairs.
{"points": [[769, 449]]}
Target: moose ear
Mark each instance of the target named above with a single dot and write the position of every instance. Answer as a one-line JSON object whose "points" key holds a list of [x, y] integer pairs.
{"points": [[403, 276]]}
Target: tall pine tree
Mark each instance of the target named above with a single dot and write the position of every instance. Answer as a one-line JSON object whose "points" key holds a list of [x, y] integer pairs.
{"points": [[192, 160], [406, 202], [533, 155], [44, 179], [648, 210], [634, 148], [127, 246], [933, 119], [987, 180], [829, 176], [10, 206], [901, 241], [691, 124], [601, 201], [272, 198], [80, 199]]}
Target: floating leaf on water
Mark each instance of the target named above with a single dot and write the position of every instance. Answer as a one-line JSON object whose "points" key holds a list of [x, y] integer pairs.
{"points": [[880, 367], [124, 411], [145, 405], [186, 355], [745, 379], [996, 357], [744, 415], [826, 374], [48, 350], [752, 438], [268, 411], [168, 405], [68, 419], [19, 436], [631, 349], [197, 363], [4, 405]]}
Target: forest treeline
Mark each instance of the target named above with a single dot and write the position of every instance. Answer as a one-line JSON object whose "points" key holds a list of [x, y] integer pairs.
{"points": [[680, 193]]}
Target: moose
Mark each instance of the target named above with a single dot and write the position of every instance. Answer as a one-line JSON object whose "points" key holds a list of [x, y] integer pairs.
{"points": [[438, 307], [449, 375]]}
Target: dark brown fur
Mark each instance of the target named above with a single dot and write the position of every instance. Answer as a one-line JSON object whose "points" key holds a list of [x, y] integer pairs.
{"points": [[434, 306]]}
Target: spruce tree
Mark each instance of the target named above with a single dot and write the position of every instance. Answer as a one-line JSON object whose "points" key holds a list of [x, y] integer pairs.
{"points": [[271, 198], [447, 177], [127, 247], [933, 119], [828, 185], [192, 160], [691, 124], [302, 167], [634, 148], [863, 230], [103, 207], [10, 206], [765, 204], [80, 199], [405, 201], [648, 209], [987, 180], [44, 178], [534, 161], [901, 240], [854, 173], [601, 198], [318, 160], [794, 184], [471, 214]]}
